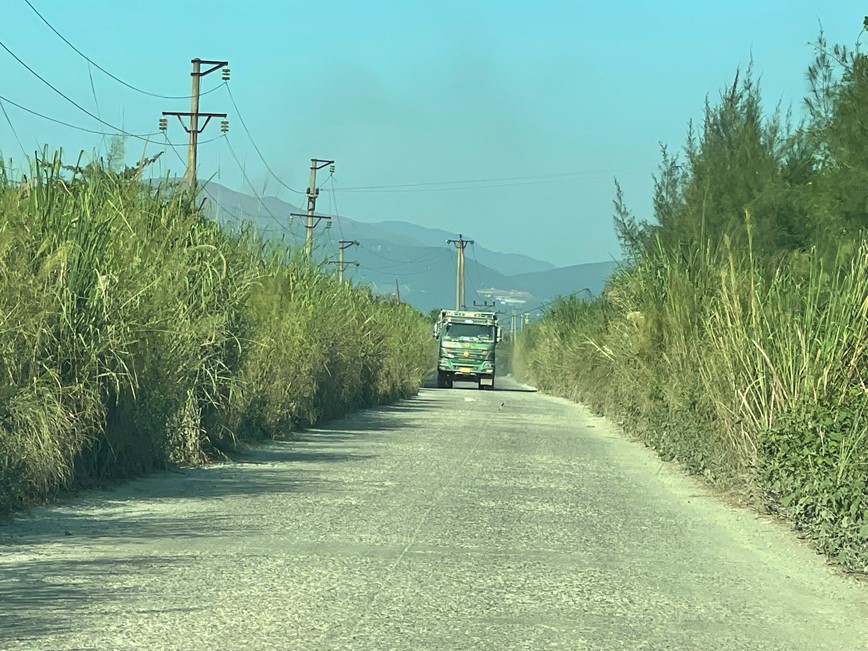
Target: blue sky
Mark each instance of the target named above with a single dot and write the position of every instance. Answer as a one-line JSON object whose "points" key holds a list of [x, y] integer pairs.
{"points": [[551, 100]]}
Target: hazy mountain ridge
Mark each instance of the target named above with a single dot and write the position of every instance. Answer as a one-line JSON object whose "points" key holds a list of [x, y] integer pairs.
{"points": [[417, 256]]}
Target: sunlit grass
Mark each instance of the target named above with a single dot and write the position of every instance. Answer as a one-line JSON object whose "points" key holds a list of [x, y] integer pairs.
{"points": [[751, 373], [136, 333]]}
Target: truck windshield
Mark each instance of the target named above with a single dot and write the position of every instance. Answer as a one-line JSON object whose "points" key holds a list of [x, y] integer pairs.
{"points": [[478, 330]]}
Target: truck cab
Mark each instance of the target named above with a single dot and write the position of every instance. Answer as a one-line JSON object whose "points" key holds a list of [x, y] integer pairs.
{"points": [[467, 343]]}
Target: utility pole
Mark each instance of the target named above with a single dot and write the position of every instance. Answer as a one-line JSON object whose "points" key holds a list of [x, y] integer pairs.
{"points": [[460, 244], [343, 245], [397, 290], [312, 193], [194, 114]]}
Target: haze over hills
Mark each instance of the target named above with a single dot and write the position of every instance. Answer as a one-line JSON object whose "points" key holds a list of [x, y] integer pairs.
{"points": [[417, 256]]}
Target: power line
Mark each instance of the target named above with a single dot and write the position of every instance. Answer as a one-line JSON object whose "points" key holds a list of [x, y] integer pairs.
{"points": [[283, 228], [478, 184], [174, 146], [93, 92], [144, 136], [336, 247], [476, 267], [459, 182], [253, 142], [99, 67], [429, 269], [70, 100], [457, 188], [555, 300], [12, 126], [250, 185], [235, 217], [334, 200], [68, 124], [429, 262], [430, 255]]}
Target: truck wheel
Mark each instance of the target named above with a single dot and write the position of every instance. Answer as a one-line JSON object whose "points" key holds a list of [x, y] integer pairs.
{"points": [[442, 380]]}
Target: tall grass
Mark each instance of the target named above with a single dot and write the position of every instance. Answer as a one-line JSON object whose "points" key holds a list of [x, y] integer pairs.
{"points": [[750, 373], [135, 333]]}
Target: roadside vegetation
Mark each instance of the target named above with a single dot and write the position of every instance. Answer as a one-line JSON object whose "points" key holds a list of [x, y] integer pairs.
{"points": [[135, 334], [734, 338]]}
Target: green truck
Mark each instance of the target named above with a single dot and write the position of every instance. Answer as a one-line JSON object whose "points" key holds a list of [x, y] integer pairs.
{"points": [[466, 351]]}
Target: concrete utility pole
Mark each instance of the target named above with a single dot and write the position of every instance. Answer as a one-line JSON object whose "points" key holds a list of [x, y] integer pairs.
{"points": [[194, 114], [460, 244], [312, 193], [344, 245]]}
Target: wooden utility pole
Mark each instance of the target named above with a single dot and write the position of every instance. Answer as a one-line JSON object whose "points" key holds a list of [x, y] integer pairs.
{"points": [[194, 114], [312, 193], [344, 245], [397, 290], [460, 244]]}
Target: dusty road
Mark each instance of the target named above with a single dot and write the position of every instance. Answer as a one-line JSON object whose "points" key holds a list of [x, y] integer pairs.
{"points": [[461, 519]]}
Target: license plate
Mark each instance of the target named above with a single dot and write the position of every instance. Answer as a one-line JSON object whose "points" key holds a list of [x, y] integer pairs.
{"points": [[466, 369]]}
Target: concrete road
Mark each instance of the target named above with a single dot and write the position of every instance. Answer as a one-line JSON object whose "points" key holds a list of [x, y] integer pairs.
{"points": [[461, 519]]}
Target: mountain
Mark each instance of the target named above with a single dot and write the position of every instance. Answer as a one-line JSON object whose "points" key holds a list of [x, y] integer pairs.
{"points": [[545, 285], [417, 256], [515, 263]]}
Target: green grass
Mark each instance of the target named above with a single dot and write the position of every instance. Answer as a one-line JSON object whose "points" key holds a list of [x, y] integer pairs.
{"points": [[135, 333], [749, 373]]}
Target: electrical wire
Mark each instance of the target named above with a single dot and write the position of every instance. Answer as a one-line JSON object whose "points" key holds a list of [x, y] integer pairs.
{"points": [[457, 182], [430, 261], [67, 124], [471, 184], [282, 227], [334, 200], [100, 68], [234, 216], [335, 246], [12, 126], [251, 186], [253, 142], [456, 188], [476, 267], [429, 269], [93, 92], [431, 255], [144, 137], [555, 300]]}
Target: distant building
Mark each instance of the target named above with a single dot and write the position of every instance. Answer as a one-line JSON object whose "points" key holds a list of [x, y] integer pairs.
{"points": [[505, 296]]}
